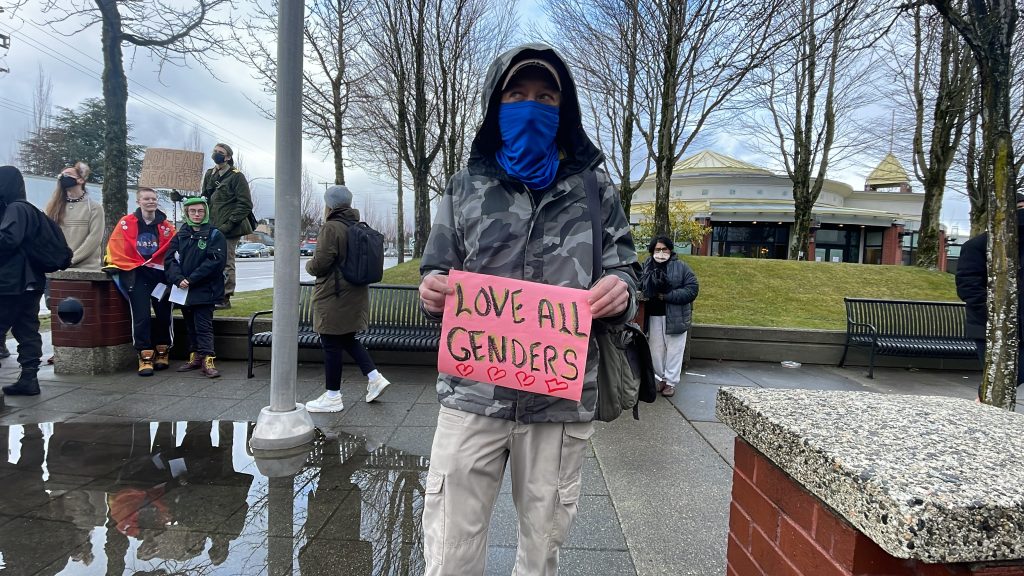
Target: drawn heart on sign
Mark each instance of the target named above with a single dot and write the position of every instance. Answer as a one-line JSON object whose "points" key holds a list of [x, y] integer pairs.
{"points": [[554, 385], [495, 373], [525, 380], [464, 369]]}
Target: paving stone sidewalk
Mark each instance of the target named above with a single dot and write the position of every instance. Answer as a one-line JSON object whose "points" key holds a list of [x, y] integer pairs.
{"points": [[655, 492]]}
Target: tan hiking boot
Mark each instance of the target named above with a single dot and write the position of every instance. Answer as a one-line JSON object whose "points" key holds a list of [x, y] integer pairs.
{"points": [[195, 362], [209, 370], [161, 361], [146, 362]]}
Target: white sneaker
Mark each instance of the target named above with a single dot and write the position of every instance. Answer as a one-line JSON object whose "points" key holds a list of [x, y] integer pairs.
{"points": [[375, 387], [325, 404]]}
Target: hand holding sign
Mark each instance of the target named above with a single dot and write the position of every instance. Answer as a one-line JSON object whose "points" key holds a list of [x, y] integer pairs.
{"points": [[516, 334]]}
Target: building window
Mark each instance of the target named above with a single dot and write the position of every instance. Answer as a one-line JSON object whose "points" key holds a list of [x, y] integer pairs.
{"points": [[678, 193], [760, 192], [873, 246], [837, 245], [704, 192], [910, 240], [750, 241], [732, 192]]}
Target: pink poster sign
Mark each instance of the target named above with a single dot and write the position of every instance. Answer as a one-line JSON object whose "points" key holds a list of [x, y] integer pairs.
{"points": [[516, 334]]}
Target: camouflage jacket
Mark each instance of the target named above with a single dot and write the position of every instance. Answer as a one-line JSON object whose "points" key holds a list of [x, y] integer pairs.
{"points": [[489, 223]]}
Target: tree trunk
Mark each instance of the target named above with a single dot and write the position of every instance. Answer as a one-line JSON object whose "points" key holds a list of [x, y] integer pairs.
{"points": [[400, 236], [421, 191], [977, 188], [115, 139], [1000, 383], [665, 154], [928, 247]]}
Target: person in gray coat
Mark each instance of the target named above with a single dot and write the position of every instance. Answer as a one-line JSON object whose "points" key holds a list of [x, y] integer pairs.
{"points": [[670, 287], [340, 309]]}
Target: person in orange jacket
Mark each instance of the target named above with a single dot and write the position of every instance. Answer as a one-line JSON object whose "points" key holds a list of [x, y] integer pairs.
{"points": [[135, 259]]}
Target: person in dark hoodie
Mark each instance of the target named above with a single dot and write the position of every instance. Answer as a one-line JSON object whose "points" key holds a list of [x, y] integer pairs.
{"points": [[972, 288], [135, 259], [519, 210], [195, 262], [21, 286]]}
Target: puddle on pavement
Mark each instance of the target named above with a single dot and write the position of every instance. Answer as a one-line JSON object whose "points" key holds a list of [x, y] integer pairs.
{"points": [[186, 498]]}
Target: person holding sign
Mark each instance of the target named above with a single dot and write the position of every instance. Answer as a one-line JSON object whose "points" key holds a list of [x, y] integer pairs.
{"points": [[195, 265], [227, 191], [340, 308], [519, 210], [670, 287], [135, 260]]}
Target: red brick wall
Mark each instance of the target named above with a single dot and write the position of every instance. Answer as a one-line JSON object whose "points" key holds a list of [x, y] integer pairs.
{"points": [[106, 320], [777, 528]]}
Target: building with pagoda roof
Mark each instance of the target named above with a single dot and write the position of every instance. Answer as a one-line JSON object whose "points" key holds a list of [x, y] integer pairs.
{"points": [[750, 211]]}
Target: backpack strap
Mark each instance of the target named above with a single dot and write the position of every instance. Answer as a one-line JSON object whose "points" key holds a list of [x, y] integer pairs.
{"points": [[594, 202]]}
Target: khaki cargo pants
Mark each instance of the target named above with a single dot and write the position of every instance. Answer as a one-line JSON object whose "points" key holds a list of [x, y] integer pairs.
{"points": [[467, 463]]}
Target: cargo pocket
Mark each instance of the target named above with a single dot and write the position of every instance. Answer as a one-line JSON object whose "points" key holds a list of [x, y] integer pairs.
{"points": [[570, 467], [434, 519], [570, 471]]}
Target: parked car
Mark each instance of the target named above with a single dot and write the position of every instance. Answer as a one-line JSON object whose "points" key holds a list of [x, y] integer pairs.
{"points": [[391, 253], [307, 249], [252, 250]]}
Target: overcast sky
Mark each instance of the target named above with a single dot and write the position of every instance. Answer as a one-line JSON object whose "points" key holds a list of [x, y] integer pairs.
{"points": [[164, 109]]}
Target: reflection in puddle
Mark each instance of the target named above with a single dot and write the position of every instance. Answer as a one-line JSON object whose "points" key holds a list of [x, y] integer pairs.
{"points": [[186, 498]]}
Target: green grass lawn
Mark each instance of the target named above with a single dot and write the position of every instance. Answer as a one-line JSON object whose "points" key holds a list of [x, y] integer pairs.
{"points": [[743, 292]]}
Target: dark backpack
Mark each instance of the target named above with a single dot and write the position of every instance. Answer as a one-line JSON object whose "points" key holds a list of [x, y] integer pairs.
{"points": [[48, 250], [625, 371], [364, 254]]}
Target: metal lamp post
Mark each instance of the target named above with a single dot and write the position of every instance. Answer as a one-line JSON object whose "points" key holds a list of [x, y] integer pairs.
{"points": [[285, 424]]}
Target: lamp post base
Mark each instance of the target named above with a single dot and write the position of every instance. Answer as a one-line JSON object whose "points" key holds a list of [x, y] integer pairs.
{"points": [[282, 430]]}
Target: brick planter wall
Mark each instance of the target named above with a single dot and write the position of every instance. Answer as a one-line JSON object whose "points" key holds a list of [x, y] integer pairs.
{"points": [[102, 342], [777, 528]]}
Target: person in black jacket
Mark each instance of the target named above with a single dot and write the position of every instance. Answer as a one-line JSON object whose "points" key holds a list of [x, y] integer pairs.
{"points": [[21, 286], [195, 262], [670, 287], [972, 288]]}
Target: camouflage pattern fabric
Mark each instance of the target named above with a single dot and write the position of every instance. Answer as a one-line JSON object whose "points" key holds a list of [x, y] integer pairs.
{"points": [[489, 223]]}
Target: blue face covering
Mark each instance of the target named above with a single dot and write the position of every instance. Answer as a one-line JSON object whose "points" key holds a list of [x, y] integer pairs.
{"points": [[528, 152]]}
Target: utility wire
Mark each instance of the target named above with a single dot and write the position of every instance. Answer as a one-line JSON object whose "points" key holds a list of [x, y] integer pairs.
{"points": [[92, 74]]}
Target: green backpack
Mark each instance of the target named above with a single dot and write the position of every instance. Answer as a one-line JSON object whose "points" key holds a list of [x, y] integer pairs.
{"points": [[625, 372]]}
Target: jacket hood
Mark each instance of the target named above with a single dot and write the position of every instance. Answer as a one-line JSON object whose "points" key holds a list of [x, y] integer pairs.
{"points": [[160, 216], [578, 152], [12, 185], [343, 213]]}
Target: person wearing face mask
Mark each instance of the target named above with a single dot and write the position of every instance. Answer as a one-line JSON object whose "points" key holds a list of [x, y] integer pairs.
{"points": [[519, 210], [195, 262], [135, 260], [79, 217], [227, 191], [670, 287], [972, 288]]}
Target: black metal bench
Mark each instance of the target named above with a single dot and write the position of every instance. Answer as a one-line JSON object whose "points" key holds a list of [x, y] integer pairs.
{"points": [[906, 328], [396, 322]]}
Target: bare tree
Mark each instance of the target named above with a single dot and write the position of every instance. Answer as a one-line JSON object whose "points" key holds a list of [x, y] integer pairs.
{"points": [[426, 59], [311, 206], [599, 42], [331, 68], [42, 101], [805, 91], [988, 28], [694, 57], [936, 96], [171, 34]]}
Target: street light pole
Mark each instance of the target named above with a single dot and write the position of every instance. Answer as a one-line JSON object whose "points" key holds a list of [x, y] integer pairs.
{"points": [[285, 424]]}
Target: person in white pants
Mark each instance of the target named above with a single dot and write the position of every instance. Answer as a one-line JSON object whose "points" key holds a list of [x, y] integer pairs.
{"points": [[670, 287]]}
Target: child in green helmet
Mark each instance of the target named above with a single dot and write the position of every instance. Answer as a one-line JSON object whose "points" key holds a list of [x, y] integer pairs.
{"points": [[195, 262]]}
